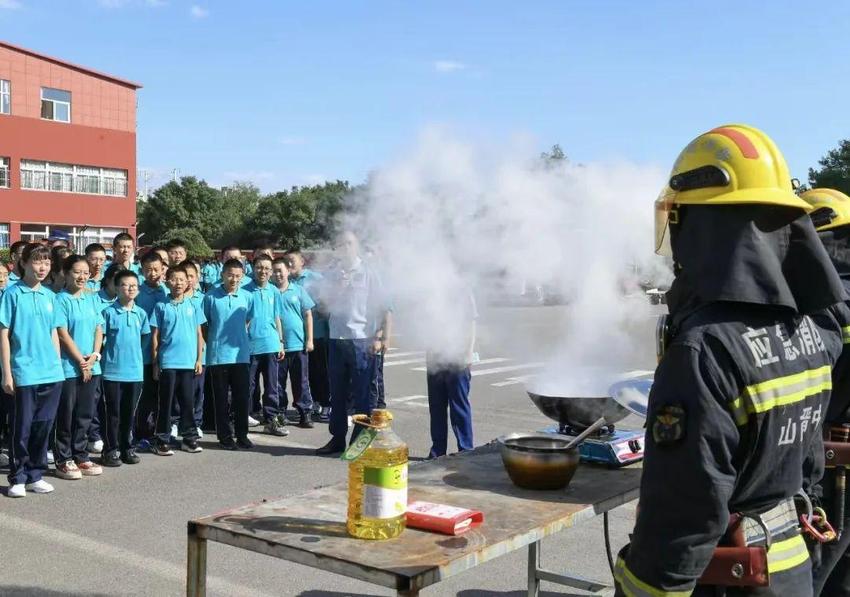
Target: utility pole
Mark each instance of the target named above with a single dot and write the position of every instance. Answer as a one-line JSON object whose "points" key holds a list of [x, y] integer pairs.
{"points": [[145, 175], [175, 174]]}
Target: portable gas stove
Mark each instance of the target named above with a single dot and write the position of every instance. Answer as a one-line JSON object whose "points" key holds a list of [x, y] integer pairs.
{"points": [[608, 446]]}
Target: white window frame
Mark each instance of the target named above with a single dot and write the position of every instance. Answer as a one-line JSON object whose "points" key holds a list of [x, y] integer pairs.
{"points": [[75, 182], [4, 236], [6, 92], [44, 99], [4, 173]]}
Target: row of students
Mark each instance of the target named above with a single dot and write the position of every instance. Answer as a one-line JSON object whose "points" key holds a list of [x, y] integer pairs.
{"points": [[51, 346]]}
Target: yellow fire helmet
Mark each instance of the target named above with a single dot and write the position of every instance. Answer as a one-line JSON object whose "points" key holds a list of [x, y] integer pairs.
{"points": [[830, 208], [731, 164]]}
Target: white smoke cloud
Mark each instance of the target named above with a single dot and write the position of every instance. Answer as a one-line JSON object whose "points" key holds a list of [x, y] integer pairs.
{"points": [[452, 214]]}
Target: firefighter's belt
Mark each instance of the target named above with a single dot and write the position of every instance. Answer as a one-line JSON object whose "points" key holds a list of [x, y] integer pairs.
{"points": [[836, 454], [739, 562]]}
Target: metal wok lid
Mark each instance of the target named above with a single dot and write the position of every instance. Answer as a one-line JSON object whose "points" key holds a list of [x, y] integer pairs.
{"points": [[632, 392]]}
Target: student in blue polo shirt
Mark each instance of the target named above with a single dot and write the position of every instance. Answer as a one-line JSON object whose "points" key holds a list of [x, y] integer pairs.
{"points": [[80, 326], [296, 317], [125, 324], [264, 334], [124, 249], [15, 252], [96, 256], [194, 294], [152, 291], [177, 347], [4, 399], [32, 370], [310, 280], [227, 309]]}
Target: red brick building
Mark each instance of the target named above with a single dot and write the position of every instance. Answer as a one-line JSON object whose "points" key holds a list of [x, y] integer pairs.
{"points": [[67, 150]]}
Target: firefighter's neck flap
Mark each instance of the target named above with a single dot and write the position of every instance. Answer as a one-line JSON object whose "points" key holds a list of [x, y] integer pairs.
{"points": [[757, 254]]}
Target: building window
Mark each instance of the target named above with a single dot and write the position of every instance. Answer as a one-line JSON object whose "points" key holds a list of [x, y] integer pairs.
{"points": [[4, 173], [55, 104], [5, 97], [4, 236], [69, 178], [81, 236]]}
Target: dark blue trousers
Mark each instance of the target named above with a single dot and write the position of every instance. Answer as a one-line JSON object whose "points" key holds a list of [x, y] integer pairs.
{"points": [[200, 381], [377, 385], [448, 390], [176, 385], [94, 426], [295, 366], [319, 380], [118, 414], [351, 367], [266, 366], [77, 405], [30, 420]]}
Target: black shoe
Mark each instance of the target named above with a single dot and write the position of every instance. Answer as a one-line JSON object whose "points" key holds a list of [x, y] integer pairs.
{"points": [[110, 459], [191, 446], [244, 443], [330, 448], [130, 457], [305, 422], [228, 444]]}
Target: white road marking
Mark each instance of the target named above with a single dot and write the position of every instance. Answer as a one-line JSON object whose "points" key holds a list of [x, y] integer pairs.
{"points": [[409, 353], [481, 362], [512, 381], [404, 362], [106, 551], [477, 372], [407, 398]]}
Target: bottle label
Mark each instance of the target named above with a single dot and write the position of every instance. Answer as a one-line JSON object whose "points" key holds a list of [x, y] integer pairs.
{"points": [[363, 441], [385, 491]]}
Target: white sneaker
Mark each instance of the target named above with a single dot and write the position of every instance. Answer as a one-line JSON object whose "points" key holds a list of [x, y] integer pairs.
{"points": [[50, 457], [68, 471], [40, 486], [18, 490], [95, 447], [252, 422]]}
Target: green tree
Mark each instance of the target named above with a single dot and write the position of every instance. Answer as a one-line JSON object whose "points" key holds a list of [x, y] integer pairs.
{"points": [[196, 246], [834, 171], [189, 204], [299, 217], [554, 156]]}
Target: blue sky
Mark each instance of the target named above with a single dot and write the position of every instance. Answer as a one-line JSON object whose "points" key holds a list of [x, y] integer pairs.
{"points": [[286, 93]]}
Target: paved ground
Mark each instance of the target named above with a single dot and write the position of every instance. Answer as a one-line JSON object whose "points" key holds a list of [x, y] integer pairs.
{"points": [[124, 533]]}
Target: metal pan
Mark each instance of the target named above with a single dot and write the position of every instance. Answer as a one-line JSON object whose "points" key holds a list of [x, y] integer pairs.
{"points": [[579, 412]]}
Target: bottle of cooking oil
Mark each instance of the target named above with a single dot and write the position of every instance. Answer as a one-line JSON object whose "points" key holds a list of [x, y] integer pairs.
{"points": [[377, 481]]}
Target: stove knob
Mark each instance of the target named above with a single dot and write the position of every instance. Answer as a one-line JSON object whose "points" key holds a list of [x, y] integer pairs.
{"points": [[634, 445]]}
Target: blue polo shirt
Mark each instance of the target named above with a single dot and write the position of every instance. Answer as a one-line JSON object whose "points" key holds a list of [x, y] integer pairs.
{"points": [[197, 299], [124, 330], [104, 299], [293, 303], [227, 333], [29, 314], [262, 331], [148, 298], [178, 333], [311, 280], [93, 284], [80, 315]]}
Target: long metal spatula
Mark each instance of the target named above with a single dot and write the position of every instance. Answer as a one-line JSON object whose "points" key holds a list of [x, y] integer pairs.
{"points": [[583, 435]]}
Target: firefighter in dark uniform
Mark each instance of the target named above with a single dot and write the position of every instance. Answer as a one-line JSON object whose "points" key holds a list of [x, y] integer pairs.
{"points": [[742, 388], [831, 560]]}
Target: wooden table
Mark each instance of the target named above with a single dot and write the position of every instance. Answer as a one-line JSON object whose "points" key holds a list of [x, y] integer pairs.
{"points": [[310, 528]]}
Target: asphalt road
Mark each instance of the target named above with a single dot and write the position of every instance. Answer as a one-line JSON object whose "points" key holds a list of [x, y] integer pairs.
{"points": [[124, 533]]}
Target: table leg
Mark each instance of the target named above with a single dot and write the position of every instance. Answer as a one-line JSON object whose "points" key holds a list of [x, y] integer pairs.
{"points": [[196, 564], [533, 567]]}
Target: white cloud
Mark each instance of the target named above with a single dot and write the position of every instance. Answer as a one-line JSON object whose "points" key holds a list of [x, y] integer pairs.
{"points": [[199, 12], [10, 4], [292, 140], [448, 66]]}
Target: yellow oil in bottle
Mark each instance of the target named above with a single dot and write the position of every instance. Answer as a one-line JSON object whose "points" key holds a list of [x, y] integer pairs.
{"points": [[377, 484]]}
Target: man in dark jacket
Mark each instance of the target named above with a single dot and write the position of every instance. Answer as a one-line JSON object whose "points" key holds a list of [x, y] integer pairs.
{"points": [[742, 389], [831, 561]]}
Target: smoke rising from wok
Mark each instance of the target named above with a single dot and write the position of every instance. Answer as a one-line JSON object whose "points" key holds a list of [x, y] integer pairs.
{"points": [[450, 215]]}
